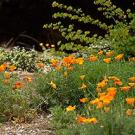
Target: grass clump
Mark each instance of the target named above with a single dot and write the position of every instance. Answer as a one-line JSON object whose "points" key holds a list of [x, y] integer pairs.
{"points": [[17, 100]]}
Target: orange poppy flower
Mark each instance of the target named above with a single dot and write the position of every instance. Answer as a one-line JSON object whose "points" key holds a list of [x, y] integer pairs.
{"points": [[83, 86], [12, 68], [18, 85], [132, 79], [117, 83], [109, 54], [100, 105], [70, 108], [53, 85], [95, 101], [40, 65], [107, 60], [58, 68], [67, 61], [82, 77], [108, 97], [131, 84], [111, 91], [28, 78], [107, 100], [83, 100], [54, 62], [6, 81], [101, 94], [119, 57], [2, 68], [130, 101], [125, 88], [7, 75], [81, 119], [65, 73], [91, 120], [70, 68], [102, 84], [92, 58], [106, 109], [5, 64], [98, 89], [129, 112], [79, 61], [131, 59], [100, 52], [114, 78]]}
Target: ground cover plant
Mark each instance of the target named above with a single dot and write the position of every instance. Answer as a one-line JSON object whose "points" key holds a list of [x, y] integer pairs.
{"points": [[17, 100], [91, 95]]}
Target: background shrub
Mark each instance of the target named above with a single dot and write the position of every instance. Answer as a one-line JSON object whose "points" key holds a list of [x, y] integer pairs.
{"points": [[25, 60], [3, 56], [73, 39]]}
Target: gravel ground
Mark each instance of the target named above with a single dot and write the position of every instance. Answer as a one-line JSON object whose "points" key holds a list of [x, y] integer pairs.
{"points": [[39, 126]]}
